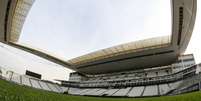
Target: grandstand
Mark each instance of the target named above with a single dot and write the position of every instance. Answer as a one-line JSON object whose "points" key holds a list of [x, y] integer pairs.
{"points": [[145, 68], [139, 83], [158, 81], [30, 81], [186, 80], [13, 92]]}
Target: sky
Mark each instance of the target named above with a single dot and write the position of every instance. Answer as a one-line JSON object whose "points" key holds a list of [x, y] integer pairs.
{"points": [[70, 28]]}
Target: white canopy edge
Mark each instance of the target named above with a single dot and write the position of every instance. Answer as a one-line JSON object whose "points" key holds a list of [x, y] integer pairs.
{"points": [[136, 46]]}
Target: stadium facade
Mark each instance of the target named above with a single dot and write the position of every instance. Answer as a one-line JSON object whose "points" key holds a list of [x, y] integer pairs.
{"points": [[155, 81], [150, 67]]}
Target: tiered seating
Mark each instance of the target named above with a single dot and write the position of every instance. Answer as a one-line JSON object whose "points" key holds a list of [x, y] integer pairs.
{"points": [[58, 87], [110, 92], [139, 91], [150, 78], [162, 73], [122, 92], [16, 78], [35, 83], [52, 87], [136, 91], [174, 85], [82, 92], [44, 86], [5, 74], [64, 89], [151, 74], [90, 92], [143, 73], [74, 91], [99, 92], [25, 81], [30, 81], [151, 91], [128, 75], [151, 82], [164, 89], [139, 83]]}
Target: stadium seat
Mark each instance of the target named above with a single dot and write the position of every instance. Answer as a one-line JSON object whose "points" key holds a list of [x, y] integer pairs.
{"points": [[16, 78], [109, 92], [25, 80], [151, 91], [136, 91], [52, 87], [99, 92], [35, 83], [44, 86], [164, 89], [122, 92]]}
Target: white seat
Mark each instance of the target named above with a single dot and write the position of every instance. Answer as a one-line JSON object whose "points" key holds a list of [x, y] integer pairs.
{"points": [[25, 81], [164, 89], [64, 89], [174, 85], [122, 92], [74, 91], [35, 83], [151, 91], [16, 78], [53, 88], [90, 92], [100, 92], [44, 86], [110, 92], [136, 91]]}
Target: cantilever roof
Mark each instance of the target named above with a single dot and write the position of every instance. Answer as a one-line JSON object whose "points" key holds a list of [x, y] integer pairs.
{"points": [[135, 46], [41, 50], [21, 10], [134, 55]]}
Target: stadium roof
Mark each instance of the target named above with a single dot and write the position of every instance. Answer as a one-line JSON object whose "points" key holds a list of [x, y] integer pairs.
{"points": [[140, 54], [123, 49]]}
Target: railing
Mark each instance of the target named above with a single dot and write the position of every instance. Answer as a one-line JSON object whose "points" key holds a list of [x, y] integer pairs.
{"points": [[186, 73], [188, 85]]}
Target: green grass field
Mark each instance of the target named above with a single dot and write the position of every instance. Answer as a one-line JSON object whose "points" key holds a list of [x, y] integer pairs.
{"points": [[13, 92]]}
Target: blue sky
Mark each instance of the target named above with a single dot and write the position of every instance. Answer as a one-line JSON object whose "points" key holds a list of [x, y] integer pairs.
{"points": [[70, 28]]}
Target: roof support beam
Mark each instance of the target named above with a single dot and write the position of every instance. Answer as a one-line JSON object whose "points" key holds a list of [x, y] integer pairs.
{"points": [[41, 54]]}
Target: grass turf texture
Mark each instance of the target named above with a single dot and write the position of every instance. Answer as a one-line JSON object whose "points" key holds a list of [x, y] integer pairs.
{"points": [[13, 92]]}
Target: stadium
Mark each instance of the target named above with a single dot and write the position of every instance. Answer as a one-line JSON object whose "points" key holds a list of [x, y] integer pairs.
{"points": [[149, 69]]}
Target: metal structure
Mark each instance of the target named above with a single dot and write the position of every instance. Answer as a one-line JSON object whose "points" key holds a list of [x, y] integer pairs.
{"points": [[135, 55]]}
